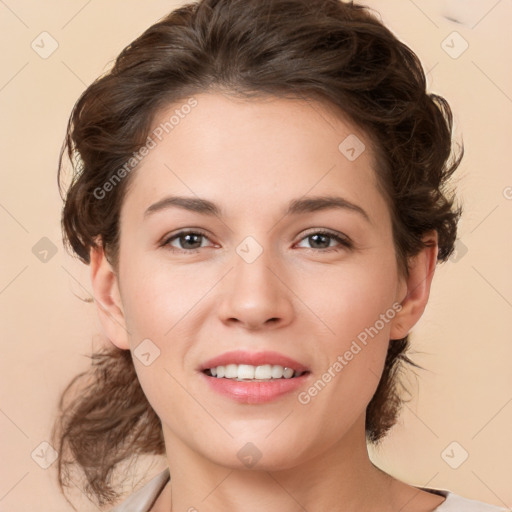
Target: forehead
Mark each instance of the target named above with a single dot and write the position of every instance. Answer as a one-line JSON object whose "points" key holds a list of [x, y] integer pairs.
{"points": [[249, 154]]}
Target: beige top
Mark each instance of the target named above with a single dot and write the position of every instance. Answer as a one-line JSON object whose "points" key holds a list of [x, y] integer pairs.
{"points": [[145, 497]]}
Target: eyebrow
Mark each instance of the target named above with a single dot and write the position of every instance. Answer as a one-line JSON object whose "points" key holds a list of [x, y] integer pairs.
{"points": [[295, 206]]}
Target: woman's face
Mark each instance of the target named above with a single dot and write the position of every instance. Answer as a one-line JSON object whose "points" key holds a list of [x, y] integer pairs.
{"points": [[264, 272]]}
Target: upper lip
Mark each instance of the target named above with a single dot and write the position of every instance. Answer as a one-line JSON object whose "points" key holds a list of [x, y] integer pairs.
{"points": [[254, 359]]}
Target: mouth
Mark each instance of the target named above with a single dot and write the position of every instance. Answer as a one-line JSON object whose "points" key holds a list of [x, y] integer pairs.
{"points": [[244, 365], [254, 377]]}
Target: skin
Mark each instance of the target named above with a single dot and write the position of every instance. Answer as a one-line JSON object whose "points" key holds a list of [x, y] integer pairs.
{"points": [[251, 158]]}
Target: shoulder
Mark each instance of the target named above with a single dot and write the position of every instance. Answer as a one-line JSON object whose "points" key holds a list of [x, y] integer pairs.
{"points": [[456, 503], [143, 499]]}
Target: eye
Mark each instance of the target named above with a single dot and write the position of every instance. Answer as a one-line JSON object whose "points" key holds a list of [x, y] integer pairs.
{"points": [[323, 239], [189, 240]]}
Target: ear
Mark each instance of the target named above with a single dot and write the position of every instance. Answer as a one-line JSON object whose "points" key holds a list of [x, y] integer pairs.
{"points": [[416, 288], [108, 299]]}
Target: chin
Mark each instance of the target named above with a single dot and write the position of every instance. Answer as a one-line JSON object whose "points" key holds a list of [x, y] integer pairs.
{"points": [[257, 453]]}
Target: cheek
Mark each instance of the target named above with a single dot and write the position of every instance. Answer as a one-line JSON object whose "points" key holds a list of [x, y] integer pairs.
{"points": [[157, 305], [355, 308], [156, 297], [349, 299]]}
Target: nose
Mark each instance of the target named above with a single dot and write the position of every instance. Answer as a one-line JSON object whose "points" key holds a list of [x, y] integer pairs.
{"points": [[256, 295]]}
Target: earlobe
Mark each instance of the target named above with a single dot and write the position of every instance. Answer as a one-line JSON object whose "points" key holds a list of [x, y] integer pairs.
{"points": [[108, 299], [421, 272]]}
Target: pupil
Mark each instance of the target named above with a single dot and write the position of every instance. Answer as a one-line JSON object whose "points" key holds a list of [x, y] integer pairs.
{"points": [[315, 237], [190, 235]]}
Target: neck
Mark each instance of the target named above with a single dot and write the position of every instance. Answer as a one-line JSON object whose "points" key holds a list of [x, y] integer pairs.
{"points": [[341, 477]]}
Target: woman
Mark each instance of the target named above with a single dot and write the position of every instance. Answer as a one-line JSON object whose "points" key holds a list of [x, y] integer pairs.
{"points": [[261, 194]]}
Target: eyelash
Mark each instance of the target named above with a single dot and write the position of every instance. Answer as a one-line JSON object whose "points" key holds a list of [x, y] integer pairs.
{"points": [[341, 239]]}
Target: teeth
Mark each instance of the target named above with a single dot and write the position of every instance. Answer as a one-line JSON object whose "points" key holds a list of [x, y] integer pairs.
{"points": [[249, 372], [231, 371], [243, 371]]}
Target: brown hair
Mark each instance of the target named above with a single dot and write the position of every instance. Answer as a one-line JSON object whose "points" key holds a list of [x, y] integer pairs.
{"points": [[321, 50]]}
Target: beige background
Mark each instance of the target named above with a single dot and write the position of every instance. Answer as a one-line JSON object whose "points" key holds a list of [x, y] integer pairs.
{"points": [[463, 339]]}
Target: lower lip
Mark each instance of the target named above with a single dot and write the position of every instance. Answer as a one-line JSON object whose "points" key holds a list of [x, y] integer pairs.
{"points": [[248, 392]]}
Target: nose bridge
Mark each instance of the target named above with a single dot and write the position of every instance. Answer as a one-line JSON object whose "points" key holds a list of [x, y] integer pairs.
{"points": [[254, 292]]}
